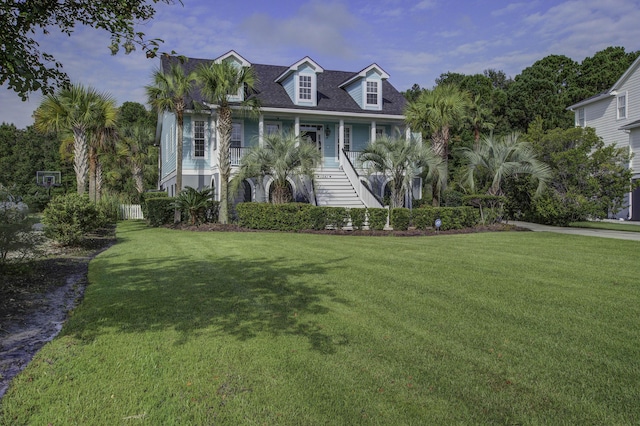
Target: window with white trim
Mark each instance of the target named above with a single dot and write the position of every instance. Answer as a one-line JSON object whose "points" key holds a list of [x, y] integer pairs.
{"points": [[622, 106], [198, 139], [372, 93], [271, 128], [347, 138], [236, 135], [580, 122], [304, 87]]}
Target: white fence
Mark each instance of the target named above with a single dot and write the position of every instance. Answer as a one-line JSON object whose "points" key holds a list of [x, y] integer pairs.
{"points": [[130, 211]]}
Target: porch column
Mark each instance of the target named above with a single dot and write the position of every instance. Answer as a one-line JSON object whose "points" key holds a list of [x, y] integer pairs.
{"points": [[297, 126], [407, 133], [340, 140], [261, 130], [373, 131]]}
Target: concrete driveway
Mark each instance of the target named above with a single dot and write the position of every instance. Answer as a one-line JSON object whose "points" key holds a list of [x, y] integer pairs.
{"points": [[603, 233]]}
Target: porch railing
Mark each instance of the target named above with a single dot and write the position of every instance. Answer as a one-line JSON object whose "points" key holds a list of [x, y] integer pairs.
{"points": [[235, 154], [368, 198]]}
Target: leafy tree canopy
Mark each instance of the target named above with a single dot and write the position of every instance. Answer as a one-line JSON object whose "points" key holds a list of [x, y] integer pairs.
{"points": [[25, 68], [601, 71]]}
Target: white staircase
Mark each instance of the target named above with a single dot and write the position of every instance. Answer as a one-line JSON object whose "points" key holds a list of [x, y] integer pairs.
{"points": [[333, 189]]}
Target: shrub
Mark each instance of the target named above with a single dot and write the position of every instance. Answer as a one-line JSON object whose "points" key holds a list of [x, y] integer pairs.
{"points": [[68, 218], [280, 217], [147, 195], [194, 203], [400, 218], [377, 218], [16, 234], [358, 217], [159, 211], [337, 217]]}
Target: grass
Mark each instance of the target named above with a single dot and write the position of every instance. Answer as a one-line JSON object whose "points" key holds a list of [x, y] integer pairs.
{"points": [[607, 225], [279, 328]]}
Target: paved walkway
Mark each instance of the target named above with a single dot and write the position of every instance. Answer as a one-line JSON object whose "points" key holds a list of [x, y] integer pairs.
{"points": [[621, 235]]}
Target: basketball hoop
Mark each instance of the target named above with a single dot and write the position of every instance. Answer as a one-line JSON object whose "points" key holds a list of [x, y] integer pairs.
{"points": [[48, 179]]}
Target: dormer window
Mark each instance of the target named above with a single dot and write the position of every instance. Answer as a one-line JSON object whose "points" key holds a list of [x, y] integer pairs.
{"points": [[304, 87], [372, 93], [300, 81]]}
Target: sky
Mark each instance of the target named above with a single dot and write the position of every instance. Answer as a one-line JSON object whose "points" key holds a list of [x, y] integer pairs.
{"points": [[414, 41]]}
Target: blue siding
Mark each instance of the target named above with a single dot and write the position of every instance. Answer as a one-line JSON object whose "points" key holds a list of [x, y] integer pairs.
{"points": [[361, 136], [290, 87], [355, 90], [187, 150], [250, 133]]}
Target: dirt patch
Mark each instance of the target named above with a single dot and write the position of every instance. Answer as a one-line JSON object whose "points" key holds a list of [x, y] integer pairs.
{"points": [[35, 298]]}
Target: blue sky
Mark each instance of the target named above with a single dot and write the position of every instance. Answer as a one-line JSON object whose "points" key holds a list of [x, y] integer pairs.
{"points": [[414, 41]]}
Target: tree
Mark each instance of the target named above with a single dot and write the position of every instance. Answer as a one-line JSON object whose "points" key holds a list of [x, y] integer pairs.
{"points": [[102, 136], [169, 92], [77, 110], [194, 202], [588, 178], [435, 113], [219, 81], [497, 159], [544, 89], [400, 160], [132, 149], [27, 69], [283, 156], [601, 71]]}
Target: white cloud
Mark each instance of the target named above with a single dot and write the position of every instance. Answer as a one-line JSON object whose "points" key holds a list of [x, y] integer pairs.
{"points": [[425, 4], [317, 27]]}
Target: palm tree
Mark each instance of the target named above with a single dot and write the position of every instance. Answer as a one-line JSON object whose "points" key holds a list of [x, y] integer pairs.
{"points": [[77, 110], [498, 159], [220, 81], [169, 92], [400, 160], [102, 136], [194, 202], [435, 113], [132, 149], [283, 156], [478, 116]]}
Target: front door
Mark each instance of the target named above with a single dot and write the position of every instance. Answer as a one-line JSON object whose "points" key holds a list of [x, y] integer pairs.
{"points": [[313, 134]]}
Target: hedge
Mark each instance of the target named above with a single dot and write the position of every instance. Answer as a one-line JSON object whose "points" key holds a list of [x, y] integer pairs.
{"points": [[377, 218], [358, 217], [160, 210], [400, 219]]}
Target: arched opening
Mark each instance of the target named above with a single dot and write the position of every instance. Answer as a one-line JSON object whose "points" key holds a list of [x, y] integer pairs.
{"points": [[280, 195]]}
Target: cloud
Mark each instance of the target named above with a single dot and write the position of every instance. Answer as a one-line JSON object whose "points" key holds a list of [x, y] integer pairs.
{"points": [[317, 27], [511, 8], [425, 4]]}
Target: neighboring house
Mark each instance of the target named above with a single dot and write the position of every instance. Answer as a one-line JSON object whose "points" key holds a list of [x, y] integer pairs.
{"points": [[340, 112], [615, 116]]}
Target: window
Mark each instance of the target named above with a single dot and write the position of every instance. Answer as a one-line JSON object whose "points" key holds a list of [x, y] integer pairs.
{"points": [[372, 93], [580, 121], [622, 106], [198, 139], [304, 88], [236, 135], [379, 132], [347, 138], [271, 128]]}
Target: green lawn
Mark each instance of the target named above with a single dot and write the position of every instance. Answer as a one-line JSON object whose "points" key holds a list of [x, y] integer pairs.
{"points": [[297, 329], [607, 225]]}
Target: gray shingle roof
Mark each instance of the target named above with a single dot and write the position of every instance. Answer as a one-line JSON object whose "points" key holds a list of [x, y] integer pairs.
{"points": [[330, 96]]}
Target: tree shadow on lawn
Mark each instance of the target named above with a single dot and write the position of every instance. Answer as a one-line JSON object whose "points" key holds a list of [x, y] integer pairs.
{"points": [[236, 296]]}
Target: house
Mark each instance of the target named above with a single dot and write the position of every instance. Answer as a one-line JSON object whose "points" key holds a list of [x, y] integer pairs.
{"points": [[338, 111], [615, 116]]}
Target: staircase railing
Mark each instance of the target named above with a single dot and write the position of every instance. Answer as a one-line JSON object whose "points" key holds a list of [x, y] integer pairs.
{"points": [[368, 198]]}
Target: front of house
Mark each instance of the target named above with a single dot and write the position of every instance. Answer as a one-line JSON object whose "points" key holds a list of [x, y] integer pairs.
{"points": [[615, 116], [339, 112]]}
